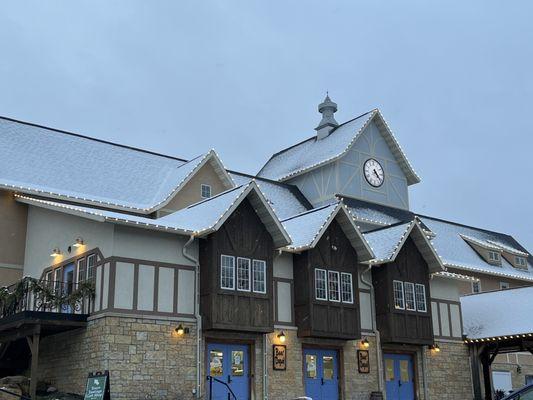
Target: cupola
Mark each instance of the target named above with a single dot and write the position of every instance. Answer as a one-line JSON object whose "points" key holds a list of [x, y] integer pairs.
{"points": [[327, 108]]}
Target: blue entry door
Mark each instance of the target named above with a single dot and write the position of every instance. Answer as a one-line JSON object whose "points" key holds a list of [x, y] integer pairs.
{"points": [[399, 377], [321, 374], [228, 363], [68, 284]]}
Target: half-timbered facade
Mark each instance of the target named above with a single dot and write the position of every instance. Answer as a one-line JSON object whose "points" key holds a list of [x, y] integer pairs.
{"points": [[186, 280]]}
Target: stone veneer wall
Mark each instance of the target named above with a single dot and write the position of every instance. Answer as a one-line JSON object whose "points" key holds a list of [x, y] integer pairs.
{"points": [[448, 372], [145, 358], [511, 363]]}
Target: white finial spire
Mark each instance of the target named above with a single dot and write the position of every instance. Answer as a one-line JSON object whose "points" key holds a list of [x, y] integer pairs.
{"points": [[327, 108]]}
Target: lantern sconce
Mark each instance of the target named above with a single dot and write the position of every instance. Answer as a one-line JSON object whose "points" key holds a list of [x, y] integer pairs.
{"points": [[434, 347], [282, 337], [181, 330], [365, 344], [55, 252], [78, 242]]}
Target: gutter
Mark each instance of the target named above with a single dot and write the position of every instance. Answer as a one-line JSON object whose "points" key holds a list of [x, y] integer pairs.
{"points": [[196, 314]]}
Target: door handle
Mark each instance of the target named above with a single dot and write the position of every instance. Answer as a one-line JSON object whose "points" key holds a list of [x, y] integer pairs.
{"points": [[229, 378], [399, 383], [322, 381]]}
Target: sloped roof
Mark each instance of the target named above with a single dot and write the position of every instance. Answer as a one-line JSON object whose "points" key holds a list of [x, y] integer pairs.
{"points": [[199, 219], [63, 165], [498, 314], [313, 153], [388, 241], [306, 229]]}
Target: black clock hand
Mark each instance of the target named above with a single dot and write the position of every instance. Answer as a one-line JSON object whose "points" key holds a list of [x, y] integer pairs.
{"points": [[376, 173]]}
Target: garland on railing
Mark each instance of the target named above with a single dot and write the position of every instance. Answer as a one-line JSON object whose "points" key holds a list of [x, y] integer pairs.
{"points": [[46, 295]]}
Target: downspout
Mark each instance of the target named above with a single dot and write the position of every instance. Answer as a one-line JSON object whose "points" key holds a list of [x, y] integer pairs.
{"points": [[376, 331], [196, 313]]}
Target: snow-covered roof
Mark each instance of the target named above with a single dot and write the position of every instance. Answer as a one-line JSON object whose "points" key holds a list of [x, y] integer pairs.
{"points": [[66, 166], [498, 314], [387, 242], [199, 219], [306, 229], [313, 152]]}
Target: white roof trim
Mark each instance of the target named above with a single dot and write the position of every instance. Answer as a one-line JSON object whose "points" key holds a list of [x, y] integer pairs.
{"points": [[453, 275]]}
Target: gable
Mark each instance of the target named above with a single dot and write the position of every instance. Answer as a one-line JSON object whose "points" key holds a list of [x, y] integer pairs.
{"points": [[334, 250]]}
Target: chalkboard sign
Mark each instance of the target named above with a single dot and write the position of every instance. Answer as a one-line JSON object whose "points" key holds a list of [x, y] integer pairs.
{"points": [[97, 386], [279, 355], [363, 361]]}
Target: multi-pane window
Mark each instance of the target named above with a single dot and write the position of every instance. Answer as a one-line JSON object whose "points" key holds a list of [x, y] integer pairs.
{"points": [[399, 302], [409, 296], [205, 191], [420, 292], [520, 261], [227, 272], [91, 259], [346, 288], [494, 256], [81, 270], [320, 284], [504, 285], [476, 287], [333, 286], [243, 274], [259, 273]]}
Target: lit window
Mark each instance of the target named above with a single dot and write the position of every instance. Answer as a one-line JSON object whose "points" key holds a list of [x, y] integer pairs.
{"points": [[90, 266], [227, 272], [346, 288], [494, 256], [476, 287], [259, 270], [320, 284], [420, 292], [206, 191], [333, 282], [410, 296], [504, 285], [520, 261], [398, 295], [243, 274]]}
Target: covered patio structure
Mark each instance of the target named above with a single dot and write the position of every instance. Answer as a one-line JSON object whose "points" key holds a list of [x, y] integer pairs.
{"points": [[495, 323]]}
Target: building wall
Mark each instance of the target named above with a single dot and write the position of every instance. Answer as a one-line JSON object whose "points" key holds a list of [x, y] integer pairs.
{"points": [[520, 365], [12, 238], [345, 176], [489, 282]]}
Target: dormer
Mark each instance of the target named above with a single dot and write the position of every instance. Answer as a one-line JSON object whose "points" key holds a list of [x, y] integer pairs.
{"points": [[515, 257], [488, 251]]}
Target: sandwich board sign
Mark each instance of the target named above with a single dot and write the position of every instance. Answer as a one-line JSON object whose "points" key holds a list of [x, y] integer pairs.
{"points": [[97, 386]]}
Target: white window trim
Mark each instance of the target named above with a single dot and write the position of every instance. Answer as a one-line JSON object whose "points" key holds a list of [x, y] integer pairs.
{"points": [[90, 256], [249, 274], [425, 300], [338, 286], [202, 186], [412, 286], [504, 285], [234, 267], [479, 286], [494, 256], [252, 275], [394, 295], [351, 287], [325, 285]]}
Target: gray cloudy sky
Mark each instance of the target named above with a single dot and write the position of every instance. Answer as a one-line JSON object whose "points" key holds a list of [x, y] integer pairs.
{"points": [[453, 79]]}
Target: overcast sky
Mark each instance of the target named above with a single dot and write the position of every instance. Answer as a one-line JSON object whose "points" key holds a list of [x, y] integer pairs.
{"points": [[453, 79]]}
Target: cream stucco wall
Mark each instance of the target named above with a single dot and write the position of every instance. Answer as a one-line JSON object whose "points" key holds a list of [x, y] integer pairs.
{"points": [[13, 221]]}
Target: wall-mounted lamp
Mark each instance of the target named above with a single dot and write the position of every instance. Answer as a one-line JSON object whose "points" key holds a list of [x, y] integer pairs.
{"points": [[181, 330], [56, 252], [281, 337], [434, 347], [78, 242], [365, 344]]}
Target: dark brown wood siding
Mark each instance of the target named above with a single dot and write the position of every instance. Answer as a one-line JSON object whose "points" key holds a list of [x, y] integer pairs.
{"points": [[318, 318], [242, 235], [402, 326]]}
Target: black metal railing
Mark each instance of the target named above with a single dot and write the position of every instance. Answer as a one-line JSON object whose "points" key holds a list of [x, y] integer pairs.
{"points": [[31, 294], [15, 395], [212, 379]]}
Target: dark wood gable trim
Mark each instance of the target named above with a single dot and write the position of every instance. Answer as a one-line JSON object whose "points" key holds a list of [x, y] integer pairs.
{"points": [[242, 235]]}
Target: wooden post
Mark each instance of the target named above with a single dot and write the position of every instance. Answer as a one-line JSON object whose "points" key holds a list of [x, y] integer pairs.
{"points": [[476, 373], [487, 376], [33, 342]]}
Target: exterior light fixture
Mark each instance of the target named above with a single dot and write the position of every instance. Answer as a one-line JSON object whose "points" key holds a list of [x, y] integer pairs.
{"points": [[281, 337], [181, 330], [56, 252], [78, 242], [365, 344], [435, 347]]}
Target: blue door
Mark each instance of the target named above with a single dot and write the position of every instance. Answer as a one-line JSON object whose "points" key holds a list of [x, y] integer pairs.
{"points": [[399, 377], [321, 373], [68, 284], [228, 363]]}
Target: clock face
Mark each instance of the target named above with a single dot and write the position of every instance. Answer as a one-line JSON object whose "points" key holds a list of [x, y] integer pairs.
{"points": [[374, 172]]}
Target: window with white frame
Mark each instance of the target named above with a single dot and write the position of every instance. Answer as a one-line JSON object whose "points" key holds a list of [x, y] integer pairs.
{"points": [[227, 272], [397, 287], [333, 286], [420, 293], [321, 284], [259, 276], [504, 285], [91, 260], [494, 256], [243, 274], [205, 191], [409, 296], [520, 261], [346, 287], [476, 287], [82, 274]]}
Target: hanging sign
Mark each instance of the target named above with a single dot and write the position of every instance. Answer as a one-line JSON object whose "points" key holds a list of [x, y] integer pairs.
{"points": [[363, 361], [279, 355], [97, 386]]}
